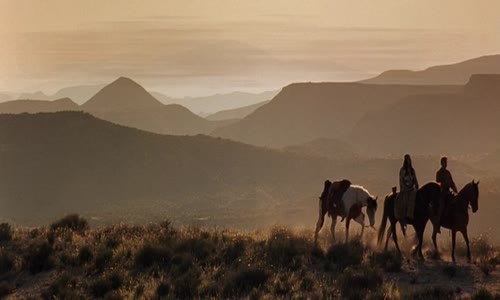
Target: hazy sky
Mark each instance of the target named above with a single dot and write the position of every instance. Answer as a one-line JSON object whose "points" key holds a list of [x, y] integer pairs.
{"points": [[203, 47]]}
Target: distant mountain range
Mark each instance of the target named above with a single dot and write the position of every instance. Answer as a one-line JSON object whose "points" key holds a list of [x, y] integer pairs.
{"points": [[236, 113], [463, 122], [125, 102], [303, 112], [208, 105], [457, 74], [35, 106], [203, 106]]}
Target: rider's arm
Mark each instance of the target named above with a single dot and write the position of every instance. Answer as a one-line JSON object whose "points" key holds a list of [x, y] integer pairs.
{"points": [[416, 180], [453, 186]]}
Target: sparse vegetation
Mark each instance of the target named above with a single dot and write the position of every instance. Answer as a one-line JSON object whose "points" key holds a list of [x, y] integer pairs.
{"points": [[5, 232], [164, 262], [72, 222]]}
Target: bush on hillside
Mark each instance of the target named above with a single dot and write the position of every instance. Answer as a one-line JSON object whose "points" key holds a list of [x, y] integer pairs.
{"points": [[72, 222]]}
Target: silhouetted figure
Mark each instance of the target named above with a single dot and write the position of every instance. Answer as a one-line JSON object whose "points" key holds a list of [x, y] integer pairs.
{"points": [[408, 185], [448, 189]]}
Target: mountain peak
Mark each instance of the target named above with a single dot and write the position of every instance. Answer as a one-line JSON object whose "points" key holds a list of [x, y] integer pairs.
{"points": [[122, 94]]}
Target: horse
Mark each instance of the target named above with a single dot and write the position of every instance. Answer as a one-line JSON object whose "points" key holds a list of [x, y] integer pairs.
{"points": [[456, 216], [355, 198], [427, 194]]}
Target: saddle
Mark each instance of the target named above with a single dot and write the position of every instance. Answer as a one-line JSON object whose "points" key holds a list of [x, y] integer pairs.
{"points": [[335, 193]]}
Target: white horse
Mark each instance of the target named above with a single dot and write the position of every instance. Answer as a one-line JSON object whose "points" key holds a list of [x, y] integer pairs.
{"points": [[354, 199]]}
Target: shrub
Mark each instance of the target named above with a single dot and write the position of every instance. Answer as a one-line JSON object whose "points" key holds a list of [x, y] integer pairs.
{"points": [[63, 287], [6, 288], [72, 222], [39, 258], [186, 285], [436, 292], [85, 254], [345, 255], [103, 257], [283, 249], [389, 261], [450, 270], [101, 286], [150, 255], [486, 267], [200, 248], [244, 280], [234, 250], [356, 284], [5, 232], [163, 289], [484, 294], [180, 264], [6, 262]]}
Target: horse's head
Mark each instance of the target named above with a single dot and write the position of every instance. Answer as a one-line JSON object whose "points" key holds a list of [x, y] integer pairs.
{"points": [[371, 209], [474, 199]]}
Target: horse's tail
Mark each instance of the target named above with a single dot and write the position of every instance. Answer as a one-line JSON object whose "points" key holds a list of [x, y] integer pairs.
{"points": [[383, 224]]}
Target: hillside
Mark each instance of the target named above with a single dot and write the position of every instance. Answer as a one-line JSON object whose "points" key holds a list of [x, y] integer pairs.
{"points": [[328, 148], [34, 106], [70, 261], [73, 161], [303, 112], [458, 73], [464, 122], [235, 113], [127, 103]]}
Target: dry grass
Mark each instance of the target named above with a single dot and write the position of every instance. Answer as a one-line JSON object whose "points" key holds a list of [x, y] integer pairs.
{"points": [[158, 261]]}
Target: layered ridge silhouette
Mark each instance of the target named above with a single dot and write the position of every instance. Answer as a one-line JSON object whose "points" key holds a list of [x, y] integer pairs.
{"points": [[302, 112], [464, 122], [458, 73]]}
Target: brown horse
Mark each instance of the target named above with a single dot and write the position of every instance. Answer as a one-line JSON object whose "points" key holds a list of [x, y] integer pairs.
{"points": [[355, 198], [428, 193], [456, 215]]}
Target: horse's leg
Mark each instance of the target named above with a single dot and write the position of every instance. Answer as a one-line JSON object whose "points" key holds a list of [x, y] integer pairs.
{"points": [[319, 223], [466, 238], [332, 227], [395, 237], [360, 219], [434, 235], [389, 232], [347, 222], [420, 235], [453, 242]]}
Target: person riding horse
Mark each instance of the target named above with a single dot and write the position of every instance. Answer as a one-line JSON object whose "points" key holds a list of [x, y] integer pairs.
{"points": [[408, 188], [448, 188]]}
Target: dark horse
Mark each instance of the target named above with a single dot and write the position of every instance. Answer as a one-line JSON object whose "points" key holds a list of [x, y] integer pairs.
{"points": [[456, 215], [427, 194]]}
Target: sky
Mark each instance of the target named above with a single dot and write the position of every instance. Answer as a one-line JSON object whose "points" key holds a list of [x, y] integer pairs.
{"points": [[193, 48]]}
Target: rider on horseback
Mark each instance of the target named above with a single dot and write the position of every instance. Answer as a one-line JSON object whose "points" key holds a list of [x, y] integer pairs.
{"points": [[408, 183], [443, 177]]}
